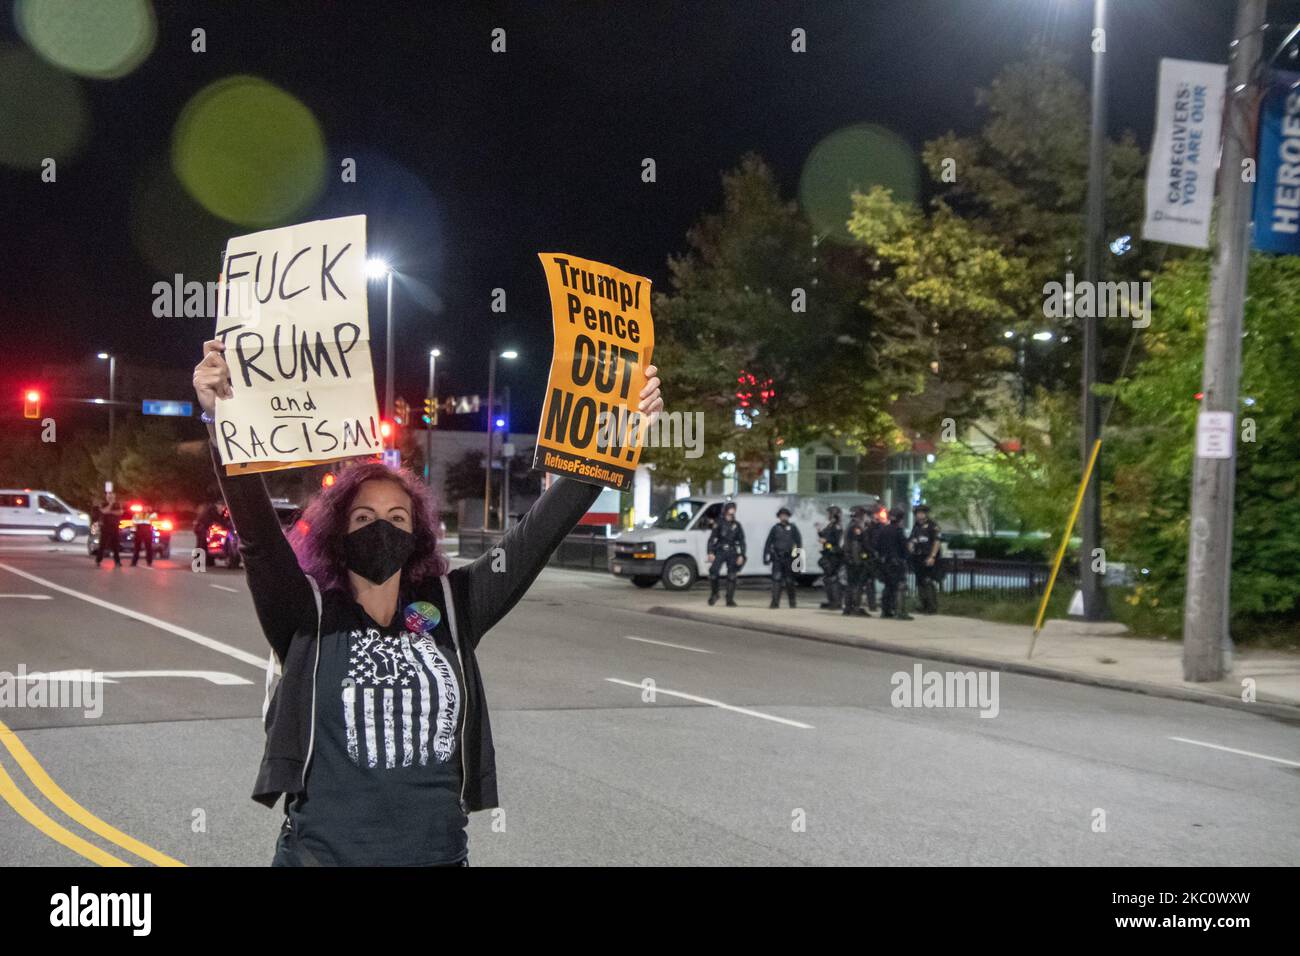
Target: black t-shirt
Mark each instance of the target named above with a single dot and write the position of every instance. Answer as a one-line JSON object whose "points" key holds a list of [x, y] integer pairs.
{"points": [[384, 788]]}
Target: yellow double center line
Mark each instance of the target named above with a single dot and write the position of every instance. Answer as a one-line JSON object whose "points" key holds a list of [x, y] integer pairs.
{"points": [[75, 811]]}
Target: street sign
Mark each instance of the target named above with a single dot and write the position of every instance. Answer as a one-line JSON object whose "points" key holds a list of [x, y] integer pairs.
{"points": [[154, 406], [1214, 435], [393, 458]]}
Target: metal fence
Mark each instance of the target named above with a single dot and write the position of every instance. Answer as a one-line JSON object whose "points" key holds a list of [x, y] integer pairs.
{"points": [[997, 578], [994, 576], [582, 552]]}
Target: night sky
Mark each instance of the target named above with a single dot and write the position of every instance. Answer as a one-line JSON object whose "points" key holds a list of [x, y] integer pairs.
{"points": [[470, 163]]}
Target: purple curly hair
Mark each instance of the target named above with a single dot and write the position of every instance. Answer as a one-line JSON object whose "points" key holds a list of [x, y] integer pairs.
{"points": [[317, 538]]}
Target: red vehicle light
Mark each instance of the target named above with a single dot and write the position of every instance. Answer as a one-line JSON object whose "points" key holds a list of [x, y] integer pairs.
{"points": [[164, 525], [137, 508]]}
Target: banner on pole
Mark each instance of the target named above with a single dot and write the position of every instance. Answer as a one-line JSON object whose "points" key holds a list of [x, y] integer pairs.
{"points": [[604, 338], [1277, 188], [1184, 153], [292, 313]]}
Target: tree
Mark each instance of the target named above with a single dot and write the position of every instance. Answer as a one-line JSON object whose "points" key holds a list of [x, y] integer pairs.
{"points": [[967, 488], [1147, 503], [1023, 181], [758, 295], [944, 293]]}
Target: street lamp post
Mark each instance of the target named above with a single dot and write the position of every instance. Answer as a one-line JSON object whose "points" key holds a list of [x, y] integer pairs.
{"points": [[376, 269], [1090, 581], [432, 404], [505, 468], [491, 427], [112, 411]]}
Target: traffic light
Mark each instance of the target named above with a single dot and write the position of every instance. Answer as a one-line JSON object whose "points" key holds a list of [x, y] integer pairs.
{"points": [[32, 403], [430, 411], [401, 412], [388, 433]]}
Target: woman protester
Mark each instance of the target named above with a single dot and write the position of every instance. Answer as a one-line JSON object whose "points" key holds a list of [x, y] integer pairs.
{"points": [[377, 735]]}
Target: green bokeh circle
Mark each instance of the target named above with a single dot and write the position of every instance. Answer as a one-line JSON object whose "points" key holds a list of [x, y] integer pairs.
{"points": [[249, 152], [103, 40], [854, 159], [42, 111]]}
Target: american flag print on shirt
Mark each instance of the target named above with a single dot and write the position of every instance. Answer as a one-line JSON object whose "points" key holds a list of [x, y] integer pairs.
{"points": [[401, 700]]}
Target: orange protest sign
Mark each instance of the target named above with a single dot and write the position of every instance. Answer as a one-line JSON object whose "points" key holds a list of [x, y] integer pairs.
{"points": [[604, 339]]}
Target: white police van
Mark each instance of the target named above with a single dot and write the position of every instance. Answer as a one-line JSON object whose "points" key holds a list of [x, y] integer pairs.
{"points": [[673, 548], [35, 512]]}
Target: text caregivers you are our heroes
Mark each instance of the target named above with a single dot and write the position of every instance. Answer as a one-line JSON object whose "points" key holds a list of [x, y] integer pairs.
{"points": [[604, 339], [293, 317]]}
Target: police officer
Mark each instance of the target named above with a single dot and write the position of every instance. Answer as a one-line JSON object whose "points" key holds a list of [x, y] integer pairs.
{"points": [[923, 547], [726, 548], [783, 543], [892, 542], [832, 556], [142, 528], [856, 558], [875, 568], [109, 515]]}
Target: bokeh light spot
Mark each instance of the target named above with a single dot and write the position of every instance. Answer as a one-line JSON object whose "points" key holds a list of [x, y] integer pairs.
{"points": [[103, 40], [249, 152], [42, 111], [851, 160]]}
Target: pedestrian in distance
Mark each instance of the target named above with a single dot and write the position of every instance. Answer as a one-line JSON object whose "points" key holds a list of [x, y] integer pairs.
{"points": [[110, 513], [923, 547], [377, 735], [726, 549], [831, 557], [855, 563], [780, 550], [893, 557]]}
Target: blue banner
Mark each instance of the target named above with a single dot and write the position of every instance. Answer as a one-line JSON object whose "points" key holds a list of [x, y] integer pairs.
{"points": [[156, 407], [1277, 188]]}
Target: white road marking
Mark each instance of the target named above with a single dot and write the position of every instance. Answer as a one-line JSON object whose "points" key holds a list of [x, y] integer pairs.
{"points": [[715, 703], [680, 647], [208, 642], [29, 597], [1234, 750], [222, 587], [86, 676]]}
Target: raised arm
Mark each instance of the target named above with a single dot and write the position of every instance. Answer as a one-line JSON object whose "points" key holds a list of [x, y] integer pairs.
{"points": [[282, 595], [490, 586], [487, 589]]}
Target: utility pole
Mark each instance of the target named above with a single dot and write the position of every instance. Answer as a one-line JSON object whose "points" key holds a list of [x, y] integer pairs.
{"points": [[1090, 581], [1207, 643]]}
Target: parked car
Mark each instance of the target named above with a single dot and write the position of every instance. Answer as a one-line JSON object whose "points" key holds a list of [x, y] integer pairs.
{"points": [[223, 539], [674, 548], [36, 512], [162, 532]]}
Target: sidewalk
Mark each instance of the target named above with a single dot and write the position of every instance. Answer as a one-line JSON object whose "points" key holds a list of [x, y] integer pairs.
{"points": [[1126, 663]]}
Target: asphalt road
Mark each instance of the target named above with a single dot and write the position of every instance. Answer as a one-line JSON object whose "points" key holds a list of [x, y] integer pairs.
{"points": [[755, 749]]}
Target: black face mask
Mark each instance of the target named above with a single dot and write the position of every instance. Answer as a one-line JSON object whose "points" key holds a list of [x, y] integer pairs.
{"points": [[378, 551]]}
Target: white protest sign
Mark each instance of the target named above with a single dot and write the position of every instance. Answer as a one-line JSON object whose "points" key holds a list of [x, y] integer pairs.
{"points": [[1184, 153], [292, 314]]}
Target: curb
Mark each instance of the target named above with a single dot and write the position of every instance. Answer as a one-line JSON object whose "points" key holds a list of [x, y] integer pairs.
{"points": [[1277, 709]]}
